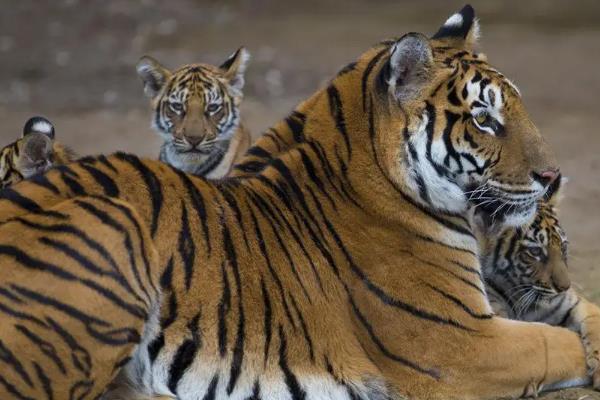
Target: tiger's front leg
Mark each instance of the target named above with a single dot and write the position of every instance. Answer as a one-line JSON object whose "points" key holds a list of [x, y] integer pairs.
{"points": [[584, 318]]}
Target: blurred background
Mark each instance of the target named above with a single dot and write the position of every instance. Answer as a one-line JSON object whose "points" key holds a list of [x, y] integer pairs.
{"points": [[73, 62]]}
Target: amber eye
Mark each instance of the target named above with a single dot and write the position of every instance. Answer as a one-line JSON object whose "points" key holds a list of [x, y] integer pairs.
{"points": [[481, 119], [176, 106], [213, 108], [486, 123]]}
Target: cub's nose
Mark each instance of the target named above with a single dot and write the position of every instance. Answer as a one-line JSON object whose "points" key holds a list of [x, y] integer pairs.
{"points": [[193, 140], [562, 286], [546, 177]]}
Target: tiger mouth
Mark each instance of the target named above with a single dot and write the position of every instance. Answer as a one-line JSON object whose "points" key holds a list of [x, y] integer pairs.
{"points": [[499, 204]]}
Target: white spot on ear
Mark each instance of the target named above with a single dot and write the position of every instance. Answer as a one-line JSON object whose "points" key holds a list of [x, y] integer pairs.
{"points": [[454, 20], [42, 127]]}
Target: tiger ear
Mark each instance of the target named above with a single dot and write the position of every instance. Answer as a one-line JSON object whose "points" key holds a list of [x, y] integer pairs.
{"points": [[235, 67], [410, 62], [36, 153], [461, 30], [153, 75], [38, 125]]}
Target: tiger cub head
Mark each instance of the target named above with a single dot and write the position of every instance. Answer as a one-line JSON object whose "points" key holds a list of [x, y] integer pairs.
{"points": [[33, 153], [196, 108], [448, 128], [527, 266]]}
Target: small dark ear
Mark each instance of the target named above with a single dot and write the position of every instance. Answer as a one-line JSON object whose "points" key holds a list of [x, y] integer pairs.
{"points": [[153, 75], [410, 62], [235, 67], [38, 125], [461, 30], [36, 154]]}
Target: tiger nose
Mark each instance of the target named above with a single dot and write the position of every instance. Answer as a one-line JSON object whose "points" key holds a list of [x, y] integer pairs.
{"points": [[562, 286], [193, 140], [546, 177]]}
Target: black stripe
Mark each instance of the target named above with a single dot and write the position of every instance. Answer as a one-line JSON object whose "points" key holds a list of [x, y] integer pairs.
{"points": [[258, 151], [13, 362], [184, 356], [379, 292], [223, 310], [10, 388], [28, 204], [69, 178], [265, 254], [116, 274], [238, 348], [43, 181], [337, 113], [46, 383], [367, 72], [135, 222], [212, 389], [296, 124], [47, 348], [80, 357], [114, 337], [314, 177], [155, 346], [88, 265], [105, 218], [186, 247], [198, 204], [102, 158], [152, 184], [291, 381], [108, 184], [433, 215], [307, 337], [567, 316], [434, 373], [268, 322], [459, 303]]}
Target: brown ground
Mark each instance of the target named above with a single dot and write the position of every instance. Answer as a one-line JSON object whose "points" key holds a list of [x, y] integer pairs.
{"points": [[73, 61]]}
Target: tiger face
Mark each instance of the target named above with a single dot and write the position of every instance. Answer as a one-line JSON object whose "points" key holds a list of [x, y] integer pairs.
{"points": [[457, 126], [196, 107], [527, 266], [31, 154]]}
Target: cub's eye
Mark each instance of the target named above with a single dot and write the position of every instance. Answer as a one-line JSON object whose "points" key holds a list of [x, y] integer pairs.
{"points": [[176, 106], [213, 108], [534, 252]]}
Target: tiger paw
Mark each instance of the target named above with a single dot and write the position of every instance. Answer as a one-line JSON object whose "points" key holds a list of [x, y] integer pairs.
{"points": [[592, 355]]}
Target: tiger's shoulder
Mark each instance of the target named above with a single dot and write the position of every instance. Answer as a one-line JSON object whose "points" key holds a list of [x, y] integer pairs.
{"points": [[196, 111]]}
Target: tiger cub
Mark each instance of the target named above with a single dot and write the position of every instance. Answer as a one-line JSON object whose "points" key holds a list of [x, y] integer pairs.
{"points": [[527, 278], [196, 112], [33, 153]]}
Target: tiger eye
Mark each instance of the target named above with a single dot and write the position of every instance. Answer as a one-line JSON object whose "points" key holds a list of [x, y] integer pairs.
{"points": [[481, 119]]}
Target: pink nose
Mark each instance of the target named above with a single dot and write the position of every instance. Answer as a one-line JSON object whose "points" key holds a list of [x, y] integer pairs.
{"points": [[546, 177]]}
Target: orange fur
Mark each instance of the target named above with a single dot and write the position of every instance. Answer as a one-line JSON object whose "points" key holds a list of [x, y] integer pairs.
{"points": [[322, 269]]}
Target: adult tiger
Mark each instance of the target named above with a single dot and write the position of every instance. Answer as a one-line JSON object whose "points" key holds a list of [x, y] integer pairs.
{"points": [[526, 275], [343, 266], [33, 153], [196, 112]]}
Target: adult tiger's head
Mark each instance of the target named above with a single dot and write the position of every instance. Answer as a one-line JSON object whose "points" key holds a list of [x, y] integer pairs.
{"points": [[526, 266], [447, 127], [33, 153], [196, 108]]}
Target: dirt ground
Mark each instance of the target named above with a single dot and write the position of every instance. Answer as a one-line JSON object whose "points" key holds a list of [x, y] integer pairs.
{"points": [[73, 61]]}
